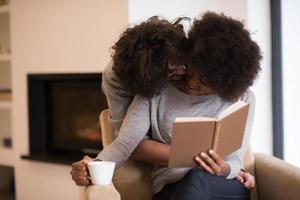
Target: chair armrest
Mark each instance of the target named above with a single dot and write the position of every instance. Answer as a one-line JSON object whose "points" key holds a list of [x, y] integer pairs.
{"points": [[96, 192], [131, 174], [133, 180], [134, 171], [276, 179]]}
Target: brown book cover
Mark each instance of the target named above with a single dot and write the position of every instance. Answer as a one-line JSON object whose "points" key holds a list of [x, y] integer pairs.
{"points": [[193, 135]]}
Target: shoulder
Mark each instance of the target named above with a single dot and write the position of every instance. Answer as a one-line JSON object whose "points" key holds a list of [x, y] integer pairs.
{"points": [[111, 83], [109, 74], [155, 99], [248, 97]]}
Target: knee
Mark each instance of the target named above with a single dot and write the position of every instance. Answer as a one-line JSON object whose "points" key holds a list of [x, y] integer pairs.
{"points": [[198, 176], [194, 185], [198, 173]]}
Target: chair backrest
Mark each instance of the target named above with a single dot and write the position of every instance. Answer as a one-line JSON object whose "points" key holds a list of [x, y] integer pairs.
{"points": [[107, 131], [133, 178]]}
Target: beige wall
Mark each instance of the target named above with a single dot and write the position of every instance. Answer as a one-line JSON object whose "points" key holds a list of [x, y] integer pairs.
{"points": [[53, 36]]}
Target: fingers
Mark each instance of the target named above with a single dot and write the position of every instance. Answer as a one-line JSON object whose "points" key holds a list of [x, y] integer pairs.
{"points": [[249, 185], [80, 165], [213, 163], [239, 179], [223, 168], [204, 165], [76, 172], [79, 172], [81, 181], [249, 181], [216, 157], [80, 178]]}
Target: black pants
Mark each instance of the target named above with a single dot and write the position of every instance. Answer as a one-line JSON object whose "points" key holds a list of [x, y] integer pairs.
{"points": [[200, 185]]}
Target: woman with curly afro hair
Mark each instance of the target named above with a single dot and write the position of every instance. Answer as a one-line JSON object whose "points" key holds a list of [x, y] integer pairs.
{"points": [[144, 59], [222, 52]]}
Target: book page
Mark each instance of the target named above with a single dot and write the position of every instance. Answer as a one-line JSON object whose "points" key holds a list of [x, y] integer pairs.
{"points": [[232, 108]]}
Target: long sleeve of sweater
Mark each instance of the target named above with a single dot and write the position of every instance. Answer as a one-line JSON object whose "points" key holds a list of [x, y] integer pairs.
{"points": [[134, 128], [118, 99]]}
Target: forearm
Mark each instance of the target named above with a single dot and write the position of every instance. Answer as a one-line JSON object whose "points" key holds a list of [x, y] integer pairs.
{"points": [[152, 152], [133, 130]]}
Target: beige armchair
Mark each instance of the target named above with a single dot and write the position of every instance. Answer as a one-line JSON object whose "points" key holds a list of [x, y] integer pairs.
{"points": [[275, 179]]}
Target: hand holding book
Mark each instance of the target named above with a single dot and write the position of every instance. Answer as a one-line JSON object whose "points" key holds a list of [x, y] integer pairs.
{"points": [[213, 163]]}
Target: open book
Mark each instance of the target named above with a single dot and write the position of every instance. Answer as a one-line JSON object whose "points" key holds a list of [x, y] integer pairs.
{"points": [[192, 135]]}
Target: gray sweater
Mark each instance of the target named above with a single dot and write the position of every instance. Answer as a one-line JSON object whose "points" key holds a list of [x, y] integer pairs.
{"points": [[156, 115], [118, 99]]}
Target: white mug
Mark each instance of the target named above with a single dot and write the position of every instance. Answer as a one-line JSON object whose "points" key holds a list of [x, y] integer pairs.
{"points": [[101, 172]]}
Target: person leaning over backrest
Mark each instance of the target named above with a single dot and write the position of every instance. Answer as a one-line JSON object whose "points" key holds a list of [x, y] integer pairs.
{"points": [[145, 57]]}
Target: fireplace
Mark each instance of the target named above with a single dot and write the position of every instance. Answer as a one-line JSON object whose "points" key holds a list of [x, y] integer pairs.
{"points": [[63, 116]]}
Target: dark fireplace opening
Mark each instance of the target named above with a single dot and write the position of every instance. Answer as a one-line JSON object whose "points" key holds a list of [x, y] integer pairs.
{"points": [[63, 116]]}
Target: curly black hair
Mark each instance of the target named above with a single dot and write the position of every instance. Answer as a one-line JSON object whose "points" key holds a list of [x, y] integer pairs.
{"points": [[222, 51], [142, 54]]}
